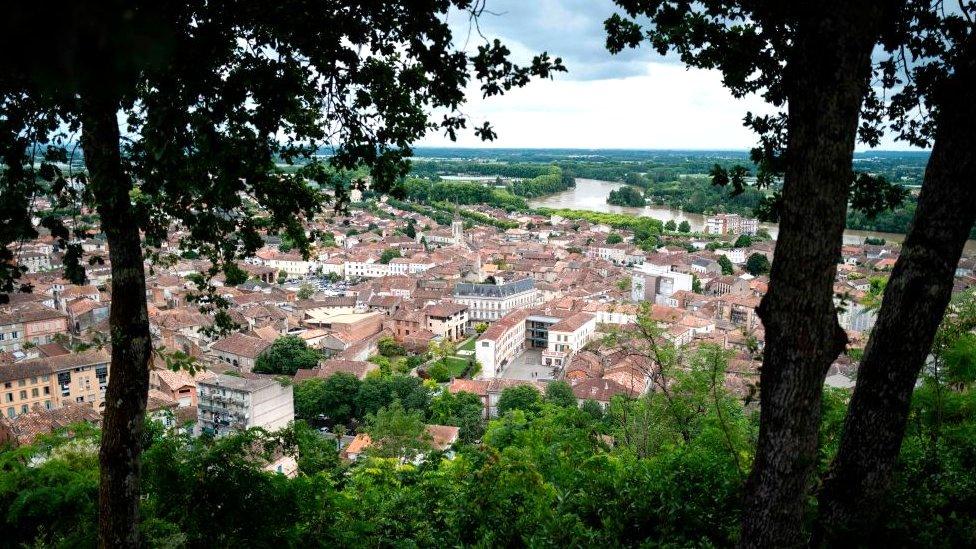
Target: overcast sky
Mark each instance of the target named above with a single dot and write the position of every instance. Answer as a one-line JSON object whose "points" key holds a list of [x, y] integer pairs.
{"points": [[634, 100]]}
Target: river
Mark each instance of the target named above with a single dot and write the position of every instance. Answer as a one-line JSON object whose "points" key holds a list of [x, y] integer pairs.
{"points": [[591, 194]]}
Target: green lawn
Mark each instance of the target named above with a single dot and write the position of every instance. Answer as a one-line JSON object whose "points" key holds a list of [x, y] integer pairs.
{"points": [[455, 365], [468, 345]]}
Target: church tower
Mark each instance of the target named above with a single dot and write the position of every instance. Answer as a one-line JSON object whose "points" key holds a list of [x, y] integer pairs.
{"points": [[457, 229]]}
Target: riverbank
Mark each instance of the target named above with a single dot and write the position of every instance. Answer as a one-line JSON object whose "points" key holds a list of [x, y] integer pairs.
{"points": [[591, 194]]}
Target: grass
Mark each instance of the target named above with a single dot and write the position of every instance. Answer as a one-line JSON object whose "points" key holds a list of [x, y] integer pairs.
{"points": [[455, 365], [468, 345]]}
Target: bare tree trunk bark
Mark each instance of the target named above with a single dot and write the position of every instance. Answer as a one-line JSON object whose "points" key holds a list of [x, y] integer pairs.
{"points": [[914, 303], [125, 398], [826, 78]]}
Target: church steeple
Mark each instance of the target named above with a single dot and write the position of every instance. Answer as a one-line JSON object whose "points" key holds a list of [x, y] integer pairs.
{"points": [[457, 227]]}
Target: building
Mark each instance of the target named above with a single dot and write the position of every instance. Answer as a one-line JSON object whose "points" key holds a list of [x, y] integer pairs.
{"points": [[448, 320], [491, 302], [502, 342], [30, 323], [731, 224], [239, 350], [568, 336], [52, 382], [25, 428], [230, 403], [657, 283]]}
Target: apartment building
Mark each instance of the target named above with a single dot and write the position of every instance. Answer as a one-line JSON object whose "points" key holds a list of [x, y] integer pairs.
{"points": [[229, 403], [51, 382], [731, 224], [501, 343], [30, 323], [491, 302], [568, 336]]}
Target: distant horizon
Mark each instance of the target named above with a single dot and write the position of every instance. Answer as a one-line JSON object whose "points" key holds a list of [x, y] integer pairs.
{"points": [[637, 149]]}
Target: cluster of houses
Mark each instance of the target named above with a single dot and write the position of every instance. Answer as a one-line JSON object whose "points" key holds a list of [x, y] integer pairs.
{"points": [[549, 292]]}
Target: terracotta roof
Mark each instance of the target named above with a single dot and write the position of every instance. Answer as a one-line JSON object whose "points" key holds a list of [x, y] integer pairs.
{"points": [[26, 427], [241, 345]]}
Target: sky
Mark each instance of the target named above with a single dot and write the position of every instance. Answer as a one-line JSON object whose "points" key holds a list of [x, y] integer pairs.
{"points": [[637, 99]]}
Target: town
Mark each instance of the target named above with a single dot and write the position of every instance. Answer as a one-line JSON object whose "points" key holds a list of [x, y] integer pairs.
{"points": [[470, 307]]}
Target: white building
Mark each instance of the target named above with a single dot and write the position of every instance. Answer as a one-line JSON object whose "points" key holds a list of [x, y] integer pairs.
{"points": [[568, 336], [230, 403], [657, 283], [501, 343], [736, 255], [731, 224], [491, 302]]}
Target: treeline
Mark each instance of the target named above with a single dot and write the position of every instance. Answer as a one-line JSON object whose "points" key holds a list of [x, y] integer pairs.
{"points": [[647, 230], [699, 195], [461, 192], [552, 182], [627, 196], [433, 169], [443, 213], [891, 221]]}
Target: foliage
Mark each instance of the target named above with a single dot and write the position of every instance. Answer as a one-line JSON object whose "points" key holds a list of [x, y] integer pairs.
{"points": [[464, 410], [684, 227], [305, 291], [286, 356], [614, 238], [525, 398], [549, 183], [743, 241], [397, 433], [388, 254], [333, 397], [670, 225], [726, 264], [389, 347], [560, 393], [627, 196], [480, 327], [757, 264]]}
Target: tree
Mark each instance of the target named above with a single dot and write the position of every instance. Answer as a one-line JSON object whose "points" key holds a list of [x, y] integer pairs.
{"points": [[480, 327], [464, 410], [780, 52], [726, 264], [614, 238], [286, 356], [696, 286], [308, 398], [744, 241], [334, 397], [439, 372], [282, 276], [305, 291], [560, 393], [389, 254], [410, 231], [388, 347], [757, 264], [670, 225], [397, 433], [938, 59], [521, 397], [684, 227], [213, 95]]}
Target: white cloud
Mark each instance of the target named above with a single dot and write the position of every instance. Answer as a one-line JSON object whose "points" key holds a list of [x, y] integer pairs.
{"points": [[668, 107]]}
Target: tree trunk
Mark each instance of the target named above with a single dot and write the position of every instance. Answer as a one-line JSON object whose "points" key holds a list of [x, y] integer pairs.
{"points": [[826, 77], [128, 386], [912, 309]]}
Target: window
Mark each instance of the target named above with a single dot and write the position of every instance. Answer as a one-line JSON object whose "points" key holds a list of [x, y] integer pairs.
{"points": [[47, 390], [23, 395], [35, 393], [9, 397], [21, 382], [79, 399], [11, 413], [24, 409]]}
